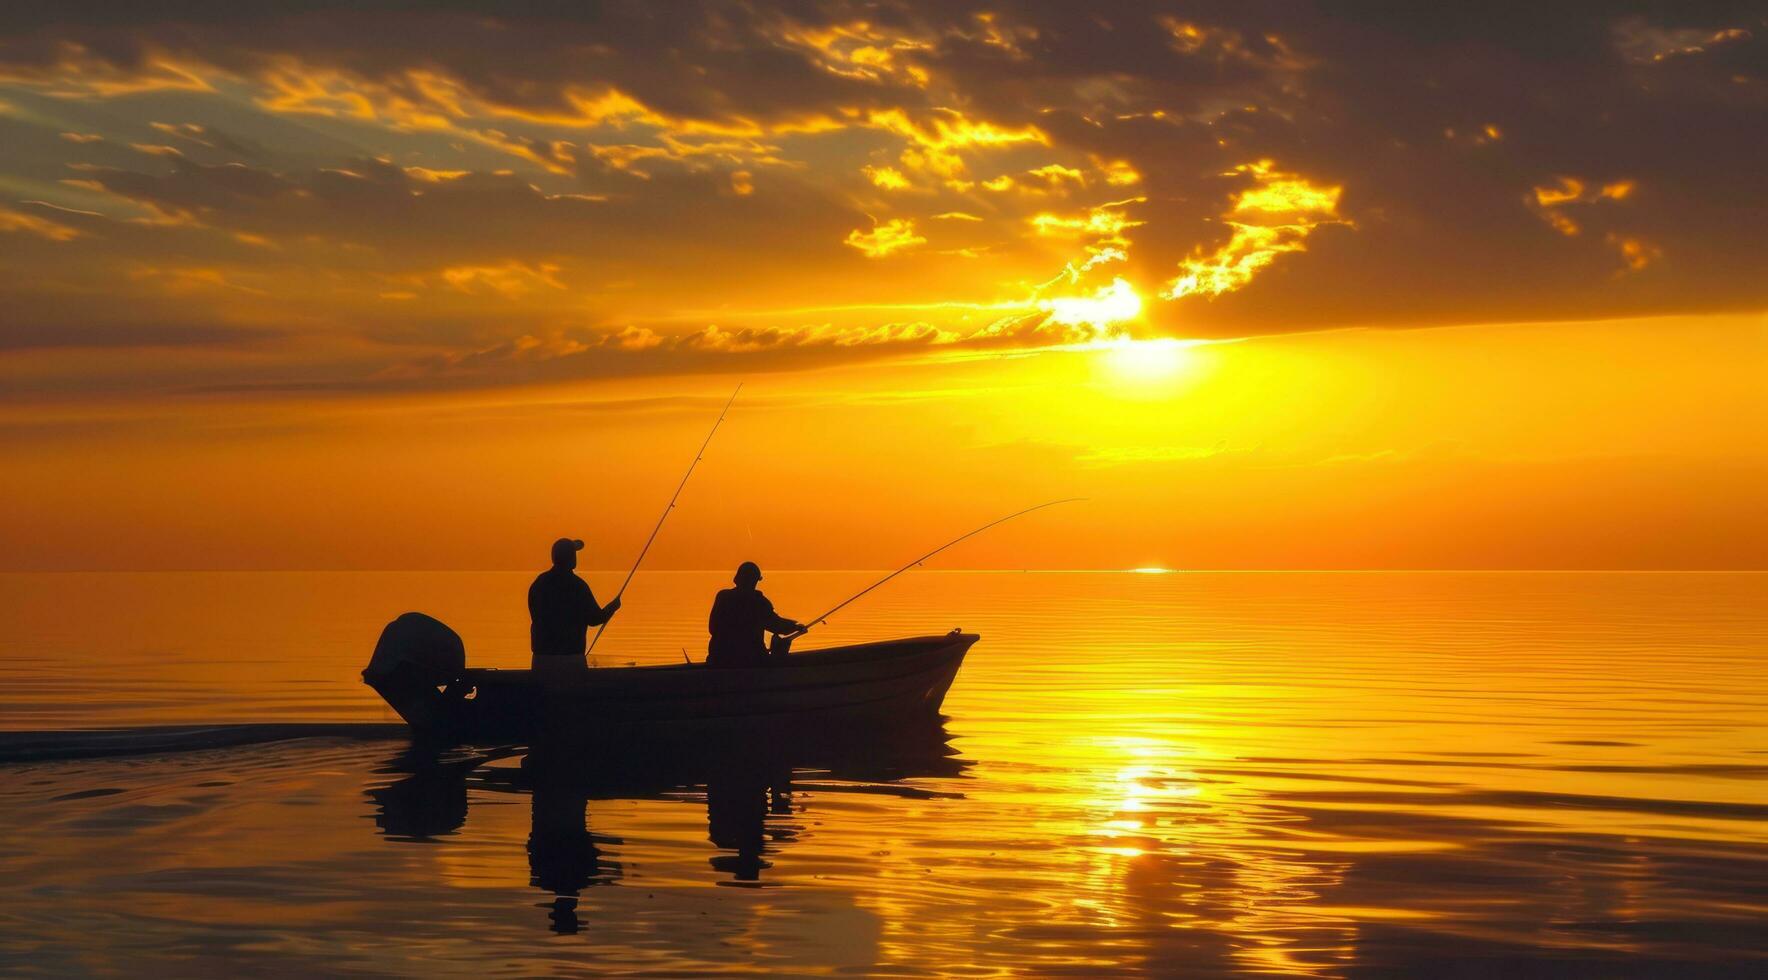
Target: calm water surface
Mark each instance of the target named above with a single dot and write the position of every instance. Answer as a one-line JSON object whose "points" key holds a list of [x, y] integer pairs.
{"points": [[1297, 774]]}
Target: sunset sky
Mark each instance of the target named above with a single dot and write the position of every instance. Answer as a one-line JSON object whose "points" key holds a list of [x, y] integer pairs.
{"points": [[1276, 285]]}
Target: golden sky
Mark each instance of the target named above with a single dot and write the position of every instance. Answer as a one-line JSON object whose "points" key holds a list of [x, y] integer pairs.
{"points": [[1273, 285]]}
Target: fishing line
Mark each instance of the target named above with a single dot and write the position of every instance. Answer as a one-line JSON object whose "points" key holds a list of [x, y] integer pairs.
{"points": [[673, 498]]}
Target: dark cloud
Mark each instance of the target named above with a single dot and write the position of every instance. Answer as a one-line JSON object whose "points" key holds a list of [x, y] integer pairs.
{"points": [[37, 335]]}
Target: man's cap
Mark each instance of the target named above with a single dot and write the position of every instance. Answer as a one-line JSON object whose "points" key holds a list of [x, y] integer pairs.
{"points": [[748, 570], [563, 547]]}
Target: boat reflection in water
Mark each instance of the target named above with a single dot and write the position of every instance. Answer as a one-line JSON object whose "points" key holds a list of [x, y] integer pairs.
{"points": [[743, 779]]}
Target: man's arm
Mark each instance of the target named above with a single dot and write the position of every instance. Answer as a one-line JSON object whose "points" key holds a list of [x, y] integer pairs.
{"points": [[596, 614], [777, 623]]}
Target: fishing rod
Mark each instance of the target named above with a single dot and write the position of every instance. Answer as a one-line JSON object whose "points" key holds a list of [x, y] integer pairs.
{"points": [[839, 606], [665, 516]]}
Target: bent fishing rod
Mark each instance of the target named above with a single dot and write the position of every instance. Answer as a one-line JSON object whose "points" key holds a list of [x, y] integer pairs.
{"points": [[963, 537], [665, 516]]}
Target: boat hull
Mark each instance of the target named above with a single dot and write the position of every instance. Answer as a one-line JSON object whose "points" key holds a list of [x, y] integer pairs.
{"points": [[895, 682]]}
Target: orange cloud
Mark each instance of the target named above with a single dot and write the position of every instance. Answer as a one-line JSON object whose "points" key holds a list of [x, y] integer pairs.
{"points": [[511, 280], [938, 142], [859, 51], [1056, 173], [419, 100], [1118, 173], [31, 224], [888, 178], [1549, 200], [1273, 217], [1635, 253], [77, 73], [184, 280], [1105, 222], [885, 239], [1641, 42]]}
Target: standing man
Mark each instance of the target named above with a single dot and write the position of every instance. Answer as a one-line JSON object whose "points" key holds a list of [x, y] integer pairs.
{"points": [[561, 609], [739, 617]]}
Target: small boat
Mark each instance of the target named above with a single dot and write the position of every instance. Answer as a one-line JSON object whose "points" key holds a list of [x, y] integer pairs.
{"points": [[419, 669]]}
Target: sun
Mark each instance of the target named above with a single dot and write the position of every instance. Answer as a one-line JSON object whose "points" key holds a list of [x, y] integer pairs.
{"points": [[1147, 361], [1108, 305]]}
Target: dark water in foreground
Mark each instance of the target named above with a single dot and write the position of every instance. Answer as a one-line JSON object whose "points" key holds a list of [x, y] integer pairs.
{"points": [[1314, 775]]}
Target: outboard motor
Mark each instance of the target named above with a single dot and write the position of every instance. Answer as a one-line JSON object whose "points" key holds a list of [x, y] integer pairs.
{"points": [[418, 667]]}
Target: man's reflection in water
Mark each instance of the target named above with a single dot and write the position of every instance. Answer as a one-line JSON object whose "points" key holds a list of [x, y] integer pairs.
{"points": [[738, 800], [562, 855]]}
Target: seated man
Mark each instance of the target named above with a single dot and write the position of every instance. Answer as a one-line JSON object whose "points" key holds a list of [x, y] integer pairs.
{"points": [[561, 610], [739, 617]]}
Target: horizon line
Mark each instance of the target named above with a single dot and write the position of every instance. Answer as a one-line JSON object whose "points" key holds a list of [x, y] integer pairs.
{"points": [[1144, 570]]}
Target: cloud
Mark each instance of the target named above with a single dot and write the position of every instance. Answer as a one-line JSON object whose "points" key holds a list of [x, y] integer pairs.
{"points": [[885, 238], [941, 138], [1104, 223], [1636, 253], [1551, 201], [382, 182], [1558, 201], [41, 336], [888, 178], [1640, 41], [1272, 217], [512, 280], [31, 224], [579, 354]]}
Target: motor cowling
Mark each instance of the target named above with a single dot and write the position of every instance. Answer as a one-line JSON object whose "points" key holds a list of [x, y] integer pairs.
{"points": [[425, 643], [415, 658]]}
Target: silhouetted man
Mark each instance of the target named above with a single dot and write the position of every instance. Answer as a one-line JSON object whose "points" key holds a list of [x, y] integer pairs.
{"points": [[561, 609], [739, 617]]}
